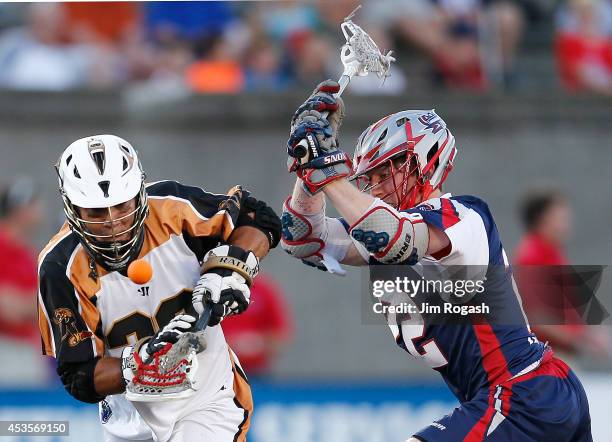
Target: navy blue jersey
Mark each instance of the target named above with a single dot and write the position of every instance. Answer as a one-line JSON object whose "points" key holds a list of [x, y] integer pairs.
{"points": [[480, 352]]}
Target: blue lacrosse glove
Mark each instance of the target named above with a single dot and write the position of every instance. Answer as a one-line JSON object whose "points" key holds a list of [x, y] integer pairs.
{"points": [[313, 145]]}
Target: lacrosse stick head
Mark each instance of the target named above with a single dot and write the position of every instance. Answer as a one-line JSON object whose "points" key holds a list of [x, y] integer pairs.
{"points": [[360, 55], [171, 374]]}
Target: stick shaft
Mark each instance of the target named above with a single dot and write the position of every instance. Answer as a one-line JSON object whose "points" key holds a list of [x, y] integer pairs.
{"points": [[202, 321], [344, 81]]}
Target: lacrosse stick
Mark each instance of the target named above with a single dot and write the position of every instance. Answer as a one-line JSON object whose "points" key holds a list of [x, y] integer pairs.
{"points": [[170, 374], [360, 56]]}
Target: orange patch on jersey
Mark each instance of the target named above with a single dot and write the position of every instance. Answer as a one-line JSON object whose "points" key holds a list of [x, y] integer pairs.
{"points": [[86, 287], [80, 274], [168, 216], [65, 319], [91, 316], [243, 398], [45, 333]]}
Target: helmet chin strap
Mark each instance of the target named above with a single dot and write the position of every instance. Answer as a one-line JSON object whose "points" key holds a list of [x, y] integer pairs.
{"points": [[406, 197], [419, 192], [410, 198]]}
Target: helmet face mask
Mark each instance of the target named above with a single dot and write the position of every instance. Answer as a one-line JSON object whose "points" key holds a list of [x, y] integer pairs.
{"points": [[108, 250], [427, 149], [396, 181], [103, 177]]}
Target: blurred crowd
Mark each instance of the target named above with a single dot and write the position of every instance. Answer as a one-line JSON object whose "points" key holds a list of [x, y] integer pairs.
{"points": [[230, 47], [583, 46]]}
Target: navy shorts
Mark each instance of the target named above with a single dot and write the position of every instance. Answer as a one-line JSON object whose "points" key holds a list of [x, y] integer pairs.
{"points": [[546, 404]]}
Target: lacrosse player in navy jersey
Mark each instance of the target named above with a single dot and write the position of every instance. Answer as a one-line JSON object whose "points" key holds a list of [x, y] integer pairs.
{"points": [[510, 386]]}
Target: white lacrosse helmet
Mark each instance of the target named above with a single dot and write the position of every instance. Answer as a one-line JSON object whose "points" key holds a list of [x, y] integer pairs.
{"points": [[102, 171], [421, 138]]}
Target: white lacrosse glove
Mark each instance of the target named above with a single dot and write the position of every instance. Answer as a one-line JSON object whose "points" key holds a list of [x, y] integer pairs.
{"points": [[163, 366], [228, 272]]}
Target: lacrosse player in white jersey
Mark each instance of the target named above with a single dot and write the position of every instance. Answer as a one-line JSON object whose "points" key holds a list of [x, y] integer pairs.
{"points": [[117, 341]]}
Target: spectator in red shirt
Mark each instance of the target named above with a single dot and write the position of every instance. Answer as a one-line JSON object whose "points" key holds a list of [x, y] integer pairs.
{"points": [[20, 215], [547, 218], [583, 46], [259, 334]]}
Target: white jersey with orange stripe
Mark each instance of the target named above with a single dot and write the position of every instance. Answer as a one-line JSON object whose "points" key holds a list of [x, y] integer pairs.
{"points": [[86, 311]]}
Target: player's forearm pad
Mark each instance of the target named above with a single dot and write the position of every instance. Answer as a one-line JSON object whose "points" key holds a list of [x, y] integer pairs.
{"points": [[392, 237], [301, 233], [306, 237]]}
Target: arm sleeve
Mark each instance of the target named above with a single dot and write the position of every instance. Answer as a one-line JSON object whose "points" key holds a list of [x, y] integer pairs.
{"points": [[340, 228]]}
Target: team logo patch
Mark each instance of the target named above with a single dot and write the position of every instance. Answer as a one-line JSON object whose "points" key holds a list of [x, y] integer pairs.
{"points": [[64, 317], [437, 425], [105, 411], [425, 206]]}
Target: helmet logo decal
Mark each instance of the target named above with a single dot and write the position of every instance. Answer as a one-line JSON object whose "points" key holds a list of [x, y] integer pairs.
{"points": [[431, 121], [373, 153]]}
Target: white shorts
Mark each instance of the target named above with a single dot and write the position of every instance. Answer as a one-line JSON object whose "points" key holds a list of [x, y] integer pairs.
{"points": [[223, 421]]}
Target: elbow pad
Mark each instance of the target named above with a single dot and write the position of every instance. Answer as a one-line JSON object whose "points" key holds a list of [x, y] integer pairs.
{"points": [[258, 214], [78, 380], [392, 237], [314, 239]]}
